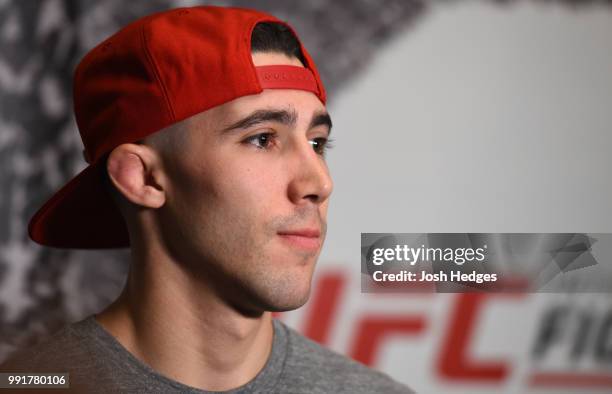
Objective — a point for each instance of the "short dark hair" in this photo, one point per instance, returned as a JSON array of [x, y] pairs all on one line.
[[276, 37]]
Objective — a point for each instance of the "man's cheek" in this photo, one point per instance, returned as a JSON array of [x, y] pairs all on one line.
[[258, 188]]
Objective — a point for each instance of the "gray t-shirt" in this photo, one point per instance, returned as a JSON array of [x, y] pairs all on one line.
[[98, 363]]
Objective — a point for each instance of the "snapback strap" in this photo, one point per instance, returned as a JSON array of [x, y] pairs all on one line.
[[287, 77]]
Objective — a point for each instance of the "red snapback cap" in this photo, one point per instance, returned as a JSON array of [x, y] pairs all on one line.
[[155, 72]]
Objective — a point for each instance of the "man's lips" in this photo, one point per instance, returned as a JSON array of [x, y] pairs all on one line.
[[308, 239]]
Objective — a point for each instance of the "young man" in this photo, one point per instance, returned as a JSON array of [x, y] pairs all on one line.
[[205, 129]]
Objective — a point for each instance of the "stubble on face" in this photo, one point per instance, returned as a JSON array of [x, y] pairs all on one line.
[[264, 274]]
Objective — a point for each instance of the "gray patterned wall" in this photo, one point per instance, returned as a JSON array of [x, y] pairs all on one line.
[[40, 43]]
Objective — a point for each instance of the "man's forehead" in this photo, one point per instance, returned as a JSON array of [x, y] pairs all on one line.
[[300, 105]]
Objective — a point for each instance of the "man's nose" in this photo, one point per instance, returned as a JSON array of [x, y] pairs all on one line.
[[310, 179]]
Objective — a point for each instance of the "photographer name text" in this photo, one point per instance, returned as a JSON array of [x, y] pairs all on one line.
[[440, 276]]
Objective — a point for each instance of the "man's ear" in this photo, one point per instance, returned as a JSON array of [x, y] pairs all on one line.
[[132, 169]]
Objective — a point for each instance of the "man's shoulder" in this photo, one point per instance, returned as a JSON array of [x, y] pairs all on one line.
[[66, 349], [54, 353], [73, 350], [328, 371]]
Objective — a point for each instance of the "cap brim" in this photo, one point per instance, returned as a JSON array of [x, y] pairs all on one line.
[[80, 215]]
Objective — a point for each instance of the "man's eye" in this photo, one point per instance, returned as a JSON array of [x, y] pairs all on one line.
[[261, 141], [320, 145]]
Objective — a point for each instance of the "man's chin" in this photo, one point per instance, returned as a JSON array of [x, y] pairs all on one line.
[[287, 306], [283, 301]]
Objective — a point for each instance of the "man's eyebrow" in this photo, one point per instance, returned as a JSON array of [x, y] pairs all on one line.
[[321, 118], [286, 117]]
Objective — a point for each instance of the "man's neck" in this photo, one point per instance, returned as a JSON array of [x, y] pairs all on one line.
[[181, 329]]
